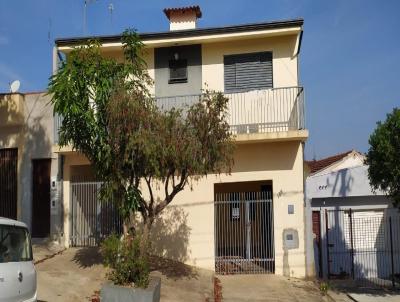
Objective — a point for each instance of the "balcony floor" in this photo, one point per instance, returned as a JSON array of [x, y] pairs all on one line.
[[291, 135]]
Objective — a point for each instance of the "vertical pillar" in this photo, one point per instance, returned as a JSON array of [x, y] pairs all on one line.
[[352, 243], [55, 59], [391, 250]]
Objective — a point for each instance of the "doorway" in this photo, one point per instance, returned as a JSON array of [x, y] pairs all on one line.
[[244, 242], [41, 198]]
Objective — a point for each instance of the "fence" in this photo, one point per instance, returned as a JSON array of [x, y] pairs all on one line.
[[91, 219], [363, 246], [256, 111], [244, 237]]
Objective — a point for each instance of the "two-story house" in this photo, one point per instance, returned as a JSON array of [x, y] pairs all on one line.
[[252, 220]]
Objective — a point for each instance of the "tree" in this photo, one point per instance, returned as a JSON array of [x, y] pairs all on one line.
[[165, 149], [135, 147], [383, 157]]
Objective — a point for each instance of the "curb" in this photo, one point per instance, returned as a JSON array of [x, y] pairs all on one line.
[[49, 257], [338, 297]]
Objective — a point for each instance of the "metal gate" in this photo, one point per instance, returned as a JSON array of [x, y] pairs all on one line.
[[363, 246], [8, 182], [244, 236], [91, 219]]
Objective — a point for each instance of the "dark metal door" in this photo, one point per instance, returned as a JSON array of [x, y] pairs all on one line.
[[8, 182], [41, 198], [316, 227]]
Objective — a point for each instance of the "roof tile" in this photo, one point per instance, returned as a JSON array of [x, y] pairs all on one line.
[[318, 165]]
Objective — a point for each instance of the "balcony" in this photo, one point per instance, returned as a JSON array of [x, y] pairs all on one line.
[[253, 115]]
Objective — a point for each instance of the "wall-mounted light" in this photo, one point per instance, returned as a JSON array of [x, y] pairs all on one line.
[[176, 56]]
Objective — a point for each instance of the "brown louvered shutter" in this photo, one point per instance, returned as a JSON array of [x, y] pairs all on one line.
[[244, 72]]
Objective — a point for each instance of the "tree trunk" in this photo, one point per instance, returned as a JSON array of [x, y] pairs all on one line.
[[144, 240], [125, 228]]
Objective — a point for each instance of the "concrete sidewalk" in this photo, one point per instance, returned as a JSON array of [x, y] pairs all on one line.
[[350, 291], [364, 295], [69, 277], [259, 288], [44, 248]]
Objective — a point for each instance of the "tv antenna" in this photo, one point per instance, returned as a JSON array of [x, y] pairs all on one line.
[[14, 86], [49, 32], [111, 10], [85, 4]]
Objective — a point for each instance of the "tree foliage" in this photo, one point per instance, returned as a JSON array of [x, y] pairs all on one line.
[[166, 148], [383, 156]]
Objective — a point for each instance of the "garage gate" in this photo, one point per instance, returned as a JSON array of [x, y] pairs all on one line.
[[8, 183], [362, 245], [244, 234], [91, 219]]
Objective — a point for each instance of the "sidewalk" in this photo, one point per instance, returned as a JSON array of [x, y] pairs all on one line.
[[364, 295], [44, 249], [259, 288]]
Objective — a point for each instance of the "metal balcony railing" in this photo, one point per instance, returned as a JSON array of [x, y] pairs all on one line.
[[255, 111]]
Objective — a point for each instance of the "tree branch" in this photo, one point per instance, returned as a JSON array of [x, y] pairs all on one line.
[[148, 182], [175, 190]]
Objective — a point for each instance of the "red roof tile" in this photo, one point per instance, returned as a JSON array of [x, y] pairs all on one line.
[[318, 165], [195, 8]]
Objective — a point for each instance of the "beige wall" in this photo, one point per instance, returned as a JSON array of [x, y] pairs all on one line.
[[280, 162], [283, 49], [186, 230], [26, 123], [148, 56]]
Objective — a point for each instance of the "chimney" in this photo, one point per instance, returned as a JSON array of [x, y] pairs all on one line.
[[181, 18]]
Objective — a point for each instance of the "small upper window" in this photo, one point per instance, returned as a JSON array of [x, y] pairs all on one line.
[[177, 71]]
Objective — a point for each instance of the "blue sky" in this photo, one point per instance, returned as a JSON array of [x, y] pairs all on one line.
[[350, 59]]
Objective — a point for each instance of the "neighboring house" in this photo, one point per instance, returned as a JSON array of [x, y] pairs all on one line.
[[253, 219], [28, 168], [352, 231], [333, 163]]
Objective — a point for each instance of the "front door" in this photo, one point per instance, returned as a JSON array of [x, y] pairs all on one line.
[[41, 198], [316, 227]]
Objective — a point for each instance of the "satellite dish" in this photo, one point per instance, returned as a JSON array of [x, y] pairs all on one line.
[[15, 86]]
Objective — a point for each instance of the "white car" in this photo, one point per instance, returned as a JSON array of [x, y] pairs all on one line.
[[17, 272]]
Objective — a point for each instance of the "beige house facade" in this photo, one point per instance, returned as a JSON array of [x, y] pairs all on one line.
[[251, 220], [28, 167]]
